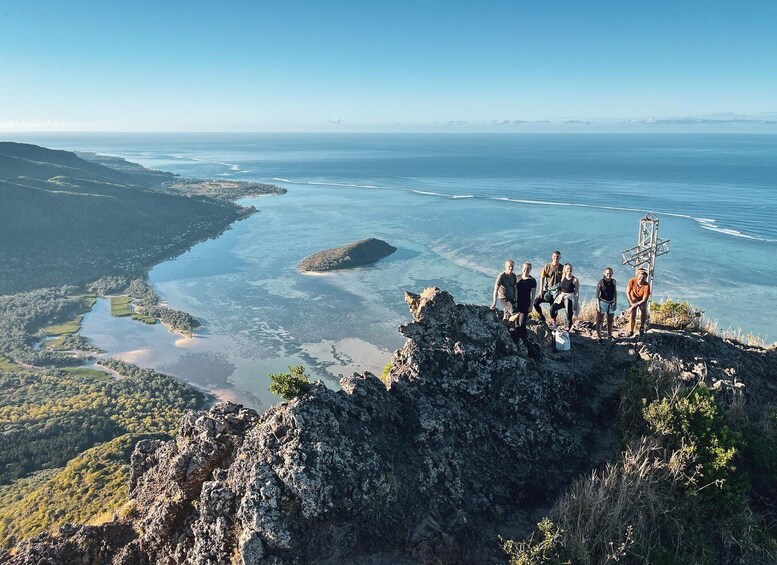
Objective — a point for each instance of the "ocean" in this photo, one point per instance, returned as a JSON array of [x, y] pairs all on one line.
[[456, 206]]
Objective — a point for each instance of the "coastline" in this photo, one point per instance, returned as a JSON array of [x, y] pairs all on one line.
[[222, 193]]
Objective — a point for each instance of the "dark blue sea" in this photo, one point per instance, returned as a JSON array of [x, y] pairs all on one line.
[[456, 206]]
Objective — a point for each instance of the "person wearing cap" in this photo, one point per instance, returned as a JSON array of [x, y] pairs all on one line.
[[638, 293], [505, 291]]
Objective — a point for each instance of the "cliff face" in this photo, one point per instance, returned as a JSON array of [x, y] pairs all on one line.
[[470, 430]]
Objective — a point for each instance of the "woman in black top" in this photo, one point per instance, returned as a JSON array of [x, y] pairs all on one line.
[[606, 303], [568, 299], [526, 288]]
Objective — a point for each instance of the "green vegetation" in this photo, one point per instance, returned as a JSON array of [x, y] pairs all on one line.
[[91, 486], [696, 483], [144, 318], [85, 372], [95, 221], [8, 365], [120, 306], [70, 342], [145, 297], [56, 344], [48, 418], [108, 285], [69, 327], [292, 384], [23, 315], [385, 375], [676, 315]]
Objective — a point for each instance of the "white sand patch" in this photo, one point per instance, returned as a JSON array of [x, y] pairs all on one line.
[[347, 356], [136, 356]]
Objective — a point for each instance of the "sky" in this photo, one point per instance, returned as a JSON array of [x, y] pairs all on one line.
[[384, 65]]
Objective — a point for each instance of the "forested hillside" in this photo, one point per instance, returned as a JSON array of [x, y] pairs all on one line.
[[64, 220], [48, 418]]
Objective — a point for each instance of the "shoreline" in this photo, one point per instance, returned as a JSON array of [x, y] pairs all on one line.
[[225, 193]]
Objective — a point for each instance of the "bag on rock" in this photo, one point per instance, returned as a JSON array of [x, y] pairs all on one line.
[[562, 341]]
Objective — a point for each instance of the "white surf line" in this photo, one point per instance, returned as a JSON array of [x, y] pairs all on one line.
[[705, 223], [319, 183], [232, 166]]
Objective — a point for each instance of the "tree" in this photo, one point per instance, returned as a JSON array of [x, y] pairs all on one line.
[[292, 384]]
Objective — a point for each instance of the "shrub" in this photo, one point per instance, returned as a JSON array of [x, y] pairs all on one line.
[[385, 376], [292, 384], [545, 549], [676, 315], [691, 423]]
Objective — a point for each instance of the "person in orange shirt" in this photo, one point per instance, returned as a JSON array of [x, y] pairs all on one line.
[[638, 293]]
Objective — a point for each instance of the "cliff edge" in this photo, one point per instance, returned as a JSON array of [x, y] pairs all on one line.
[[467, 431]]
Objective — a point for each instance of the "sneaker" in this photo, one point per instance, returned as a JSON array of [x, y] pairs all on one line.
[[631, 335], [600, 341], [641, 333]]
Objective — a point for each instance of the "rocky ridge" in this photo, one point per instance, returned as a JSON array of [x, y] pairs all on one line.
[[470, 430]]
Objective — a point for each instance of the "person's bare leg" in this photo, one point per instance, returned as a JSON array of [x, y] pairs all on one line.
[[599, 316], [632, 321], [610, 320]]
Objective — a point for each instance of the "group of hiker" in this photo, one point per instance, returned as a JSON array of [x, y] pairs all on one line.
[[517, 295]]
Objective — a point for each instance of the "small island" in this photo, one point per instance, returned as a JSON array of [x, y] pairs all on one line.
[[348, 256]]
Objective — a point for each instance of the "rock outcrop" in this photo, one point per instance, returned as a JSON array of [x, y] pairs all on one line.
[[467, 429], [348, 256]]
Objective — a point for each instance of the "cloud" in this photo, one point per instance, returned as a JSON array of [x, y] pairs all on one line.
[[46, 125]]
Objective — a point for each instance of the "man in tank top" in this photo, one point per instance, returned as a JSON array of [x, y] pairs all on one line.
[[549, 277], [505, 291], [606, 303]]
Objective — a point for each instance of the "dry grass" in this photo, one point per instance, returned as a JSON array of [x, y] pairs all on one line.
[[587, 311], [749, 338], [618, 514], [619, 509]]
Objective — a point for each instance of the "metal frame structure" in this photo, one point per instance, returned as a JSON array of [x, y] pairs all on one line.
[[649, 246]]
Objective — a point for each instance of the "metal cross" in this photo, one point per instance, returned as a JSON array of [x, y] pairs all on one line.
[[649, 246]]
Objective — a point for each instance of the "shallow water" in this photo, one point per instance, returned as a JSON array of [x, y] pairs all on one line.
[[455, 207]]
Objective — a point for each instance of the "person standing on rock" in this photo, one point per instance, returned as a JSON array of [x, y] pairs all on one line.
[[638, 293], [505, 291], [550, 277], [568, 298], [526, 288], [606, 303]]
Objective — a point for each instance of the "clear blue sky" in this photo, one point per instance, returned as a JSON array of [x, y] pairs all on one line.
[[292, 65]]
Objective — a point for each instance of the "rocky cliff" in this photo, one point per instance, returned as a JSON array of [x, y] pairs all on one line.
[[467, 435]]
